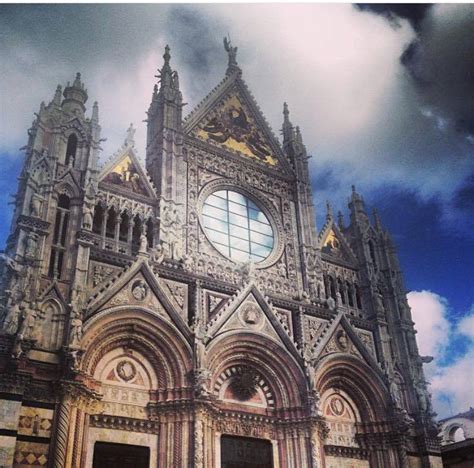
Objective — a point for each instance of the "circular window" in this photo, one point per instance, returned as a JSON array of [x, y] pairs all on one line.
[[237, 227]]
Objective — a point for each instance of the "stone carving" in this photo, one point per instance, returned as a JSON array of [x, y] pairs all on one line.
[[337, 406], [139, 290], [158, 254], [87, 216], [101, 272], [170, 237], [251, 315], [12, 318], [126, 370], [245, 383], [31, 244], [75, 334], [28, 323], [36, 203], [342, 340]]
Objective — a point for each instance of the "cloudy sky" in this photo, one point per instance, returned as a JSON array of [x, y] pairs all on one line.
[[384, 95]]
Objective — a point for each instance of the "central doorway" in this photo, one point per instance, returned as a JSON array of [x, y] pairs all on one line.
[[243, 452], [109, 455]]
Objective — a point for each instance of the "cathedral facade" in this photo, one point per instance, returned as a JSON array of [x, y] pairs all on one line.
[[188, 313]]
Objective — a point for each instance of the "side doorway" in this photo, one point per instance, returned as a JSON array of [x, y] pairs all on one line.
[[110, 455], [243, 452]]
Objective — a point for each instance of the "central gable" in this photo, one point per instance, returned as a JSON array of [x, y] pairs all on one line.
[[230, 119], [232, 125]]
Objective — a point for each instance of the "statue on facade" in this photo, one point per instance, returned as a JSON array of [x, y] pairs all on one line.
[[231, 51], [75, 334], [35, 205], [31, 244], [169, 232], [143, 243], [12, 317], [87, 216], [27, 325]]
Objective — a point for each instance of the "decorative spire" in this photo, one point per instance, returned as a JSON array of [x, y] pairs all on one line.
[[329, 213], [232, 54], [130, 139], [340, 220], [75, 95], [165, 74], [57, 96], [287, 128], [378, 223], [95, 112]]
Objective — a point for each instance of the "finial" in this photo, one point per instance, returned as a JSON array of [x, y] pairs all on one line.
[[167, 55], [232, 53], [95, 112], [130, 141], [77, 82], [329, 213], [57, 96], [353, 189], [340, 220], [378, 224]]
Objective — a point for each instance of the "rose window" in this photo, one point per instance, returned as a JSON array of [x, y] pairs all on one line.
[[237, 227]]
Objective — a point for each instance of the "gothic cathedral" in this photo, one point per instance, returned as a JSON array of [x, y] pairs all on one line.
[[188, 313]]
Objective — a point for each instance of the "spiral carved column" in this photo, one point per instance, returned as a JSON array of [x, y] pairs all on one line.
[[62, 432]]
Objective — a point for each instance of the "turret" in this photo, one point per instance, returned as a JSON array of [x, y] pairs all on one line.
[[164, 134], [75, 96]]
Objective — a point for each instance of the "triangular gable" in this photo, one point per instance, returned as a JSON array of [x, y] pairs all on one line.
[[229, 118], [52, 291], [177, 293], [250, 312], [341, 337], [139, 287], [334, 244], [124, 171], [214, 302], [68, 178]]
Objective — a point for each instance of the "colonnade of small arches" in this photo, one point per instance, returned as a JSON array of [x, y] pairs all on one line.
[[120, 231], [342, 291]]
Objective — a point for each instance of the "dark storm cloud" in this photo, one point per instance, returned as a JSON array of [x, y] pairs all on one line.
[[414, 13], [440, 60]]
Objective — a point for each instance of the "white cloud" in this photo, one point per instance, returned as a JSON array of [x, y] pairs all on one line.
[[452, 385], [429, 314]]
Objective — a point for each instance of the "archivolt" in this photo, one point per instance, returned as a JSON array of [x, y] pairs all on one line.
[[361, 383], [143, 330], [277, 367]]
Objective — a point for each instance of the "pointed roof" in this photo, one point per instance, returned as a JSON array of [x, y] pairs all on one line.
[[267, 321], [121, 292], [229, 118], [333, 244], [125, 172], [341, 337]]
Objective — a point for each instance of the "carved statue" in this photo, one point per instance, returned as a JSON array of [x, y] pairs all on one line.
[[331, 303], [200, 346], [169, 234], [35, 205], [143, 243], [28, 323], [75, 335], [248, 271], [12, 318], [88, 216], [158, 254], [342, 340], [31, 245], [231, 51], [396, 395]]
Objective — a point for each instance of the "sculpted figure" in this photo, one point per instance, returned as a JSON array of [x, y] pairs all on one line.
[[12, 318], [88, 216], [27, 326], [35, 205], [169, 232], [75, 335], [143, 243], [31, 245]]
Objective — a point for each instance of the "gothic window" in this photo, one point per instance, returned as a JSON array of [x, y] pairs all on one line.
[[136, 233], [372, 253], [350, 293], [71, 150], [149, 232], [98, 219], [124, 226], [237, 227], [58, 246], [111, 222], [358, 299], [332, 288]]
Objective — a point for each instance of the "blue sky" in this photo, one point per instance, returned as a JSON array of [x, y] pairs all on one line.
[[384, 96]]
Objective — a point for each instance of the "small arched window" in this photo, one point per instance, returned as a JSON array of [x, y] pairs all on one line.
[[58, 247], [71, 150]]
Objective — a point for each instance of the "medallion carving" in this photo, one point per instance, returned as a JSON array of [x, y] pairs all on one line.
[[126, 370]]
